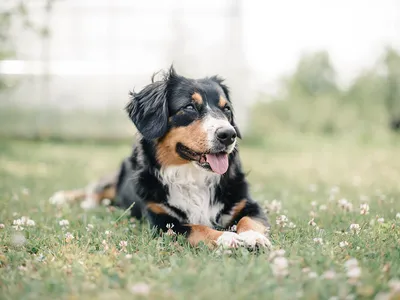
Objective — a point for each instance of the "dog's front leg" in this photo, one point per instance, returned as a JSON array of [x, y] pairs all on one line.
[[164, 219], [251, 223]]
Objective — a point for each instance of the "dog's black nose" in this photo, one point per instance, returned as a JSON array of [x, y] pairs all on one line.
[[226, 136]]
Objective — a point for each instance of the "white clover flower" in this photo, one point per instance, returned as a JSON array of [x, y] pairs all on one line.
[[323, 207], [291, 225], [280, 266], [353, 270], [105, 245], [318, 241], [64, 223], [381, 220], [140, 289], [329, 275], [343, 244], [364, 209], [398, 215], [345, 205], [30, 223], [2, 226], [107, 232], [282, 220], [89, 227], [69, 237], [312, 223], [355, 228], [275, 206], [312, 275]]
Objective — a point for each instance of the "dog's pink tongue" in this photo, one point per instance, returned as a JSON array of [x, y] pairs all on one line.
[[218, 162]]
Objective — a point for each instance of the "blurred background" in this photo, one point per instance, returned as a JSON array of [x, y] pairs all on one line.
[[315, 67]]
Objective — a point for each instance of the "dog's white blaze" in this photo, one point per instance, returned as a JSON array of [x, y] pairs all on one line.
[[192, 190], [210, 125]]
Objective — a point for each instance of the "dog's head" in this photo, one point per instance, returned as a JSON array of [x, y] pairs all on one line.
[[190, 121]]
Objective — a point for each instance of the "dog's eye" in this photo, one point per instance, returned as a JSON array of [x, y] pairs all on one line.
[[190, 107]]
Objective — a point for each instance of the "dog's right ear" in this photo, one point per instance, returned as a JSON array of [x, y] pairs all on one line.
[[148, 110]]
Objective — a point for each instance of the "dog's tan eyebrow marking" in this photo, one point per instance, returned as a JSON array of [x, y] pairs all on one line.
[[222, 102], [197, 98]]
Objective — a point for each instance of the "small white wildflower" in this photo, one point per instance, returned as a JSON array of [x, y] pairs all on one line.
[[334, 190], [364, 209], [381, 220], [343, 244], [318, 241], [140, 289], [276, 253], [280, 266], [394, 285], [313, 188], [105, 245], [123, 244], [69, 237], [107, 232], [291, 225], [355, 228], [312, 223], [329, 275], [312, 275], [17, 225], [345, 205], [275, 206], [398, 215], [64, 223], [281, 220], [30, 223], [353, 270], [89, 227], [323, 207], [18, 240], [2, 226], [314, 204]]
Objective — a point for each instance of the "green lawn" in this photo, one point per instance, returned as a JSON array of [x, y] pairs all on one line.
[[308, 177]]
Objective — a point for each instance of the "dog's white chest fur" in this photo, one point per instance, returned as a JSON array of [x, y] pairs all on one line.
[[192, 190]]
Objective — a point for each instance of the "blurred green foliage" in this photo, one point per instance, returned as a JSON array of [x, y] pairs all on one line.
[[311, 101]]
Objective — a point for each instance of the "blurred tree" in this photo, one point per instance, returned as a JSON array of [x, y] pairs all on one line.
[[14, 13], [314, 76], [391, 63]]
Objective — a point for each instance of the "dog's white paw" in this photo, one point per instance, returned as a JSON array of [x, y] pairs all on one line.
[[58, 198], [229, 240], [89, 203], [252, 238]]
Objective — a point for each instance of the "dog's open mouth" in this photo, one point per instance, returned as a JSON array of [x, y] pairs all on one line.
[[217, 162]]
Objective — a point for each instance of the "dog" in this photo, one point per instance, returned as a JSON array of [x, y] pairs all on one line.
[[184, 173]]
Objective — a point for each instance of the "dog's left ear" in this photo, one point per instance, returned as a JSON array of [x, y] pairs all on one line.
[[148, 110], [225, 88]]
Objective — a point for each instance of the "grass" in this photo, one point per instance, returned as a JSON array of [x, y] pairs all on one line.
[[306, 176]]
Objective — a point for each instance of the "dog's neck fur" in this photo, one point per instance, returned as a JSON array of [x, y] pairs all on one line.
[[192, 190]]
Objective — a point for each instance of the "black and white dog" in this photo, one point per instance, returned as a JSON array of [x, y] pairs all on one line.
[[184, 173]]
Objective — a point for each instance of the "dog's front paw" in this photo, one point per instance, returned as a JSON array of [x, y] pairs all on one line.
[[252, 239], [229, 240]]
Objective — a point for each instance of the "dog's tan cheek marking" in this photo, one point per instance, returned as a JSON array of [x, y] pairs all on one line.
[[247, 223], [201, 233], [222, 102], [192, 136], [156, 208], [238, 208], [197, 98]]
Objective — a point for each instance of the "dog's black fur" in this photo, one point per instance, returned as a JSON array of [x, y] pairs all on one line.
[[161, 110]]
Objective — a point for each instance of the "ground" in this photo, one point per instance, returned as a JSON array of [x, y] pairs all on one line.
[[312, 187]]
